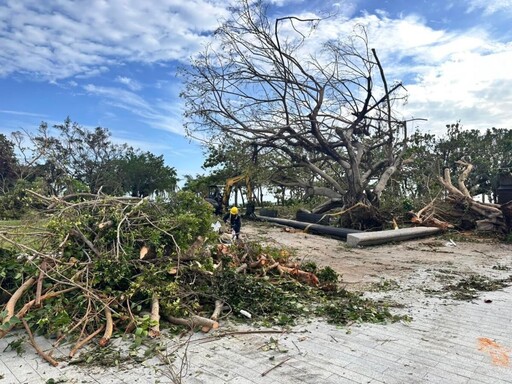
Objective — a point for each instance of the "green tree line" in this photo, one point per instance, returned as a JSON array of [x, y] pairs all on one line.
[[67, 159]]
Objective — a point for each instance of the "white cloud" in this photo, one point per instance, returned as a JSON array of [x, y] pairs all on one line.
[[22, 113], [449, 75], [56, 39], [490, 7], [162, 114], [134, 85]]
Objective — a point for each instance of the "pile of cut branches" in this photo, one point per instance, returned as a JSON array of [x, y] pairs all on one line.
[[100, 265]]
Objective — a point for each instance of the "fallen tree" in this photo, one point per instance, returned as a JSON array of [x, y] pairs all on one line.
[[327, 122], [486, 217]]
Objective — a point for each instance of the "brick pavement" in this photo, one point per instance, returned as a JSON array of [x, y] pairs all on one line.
[[446, 342]]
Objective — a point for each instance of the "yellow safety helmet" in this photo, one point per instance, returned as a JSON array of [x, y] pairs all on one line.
[[234, 211]]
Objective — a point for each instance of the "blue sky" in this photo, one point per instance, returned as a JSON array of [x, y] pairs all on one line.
[[112, 63]]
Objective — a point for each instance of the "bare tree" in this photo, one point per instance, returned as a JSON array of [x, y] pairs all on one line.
[[324, 108]]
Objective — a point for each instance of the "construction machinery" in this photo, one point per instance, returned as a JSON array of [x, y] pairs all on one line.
[[218, 195]]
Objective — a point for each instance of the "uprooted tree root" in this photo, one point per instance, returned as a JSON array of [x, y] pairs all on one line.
[[101, 266], [460, 210]]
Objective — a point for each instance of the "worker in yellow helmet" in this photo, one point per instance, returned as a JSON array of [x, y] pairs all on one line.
[[235, 221]]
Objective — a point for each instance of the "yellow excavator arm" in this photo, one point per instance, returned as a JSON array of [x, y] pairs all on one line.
[[220, 200], [229, 186]]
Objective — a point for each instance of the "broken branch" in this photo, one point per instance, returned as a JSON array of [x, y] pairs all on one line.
[[275, 366], [80, 344], [194, 321], [109, 327], [304, 276], [39, 351], [11, 304]]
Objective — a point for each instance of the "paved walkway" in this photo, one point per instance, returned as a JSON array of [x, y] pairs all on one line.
[[447, 342]]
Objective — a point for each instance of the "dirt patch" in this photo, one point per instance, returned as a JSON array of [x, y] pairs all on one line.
[[429, 263]]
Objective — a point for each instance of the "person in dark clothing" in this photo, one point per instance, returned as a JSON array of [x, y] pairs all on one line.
[[234, 220], [217, 196]]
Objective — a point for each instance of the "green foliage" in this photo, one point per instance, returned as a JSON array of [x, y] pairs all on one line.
[[192, 216], [344, 307], [72, 151], [96, 244], [13, 203], [328, 275], [52, 319], [268, 302], [103, 357], [284, 302], [112, 276], [143, 325], [309, 266], [17, 346], [13, 272], [4, 326], [200, 183], [144, 173], [8, 164], [70, 159], [469, 288]]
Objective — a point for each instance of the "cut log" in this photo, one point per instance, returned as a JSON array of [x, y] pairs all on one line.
[[144, 252], [194, 321], [381, 237], [307, 277], [154, 331], [219, 304], [316, 229]]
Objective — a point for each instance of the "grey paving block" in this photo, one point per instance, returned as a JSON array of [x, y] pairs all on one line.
[[483, 378], [335, 379], [440, 345], [6, 376], [446, 378]]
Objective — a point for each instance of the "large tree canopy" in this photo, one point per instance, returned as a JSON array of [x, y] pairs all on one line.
[[327, 109], [72, 152], [145, 173]]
